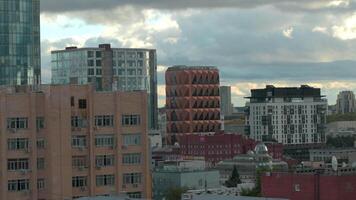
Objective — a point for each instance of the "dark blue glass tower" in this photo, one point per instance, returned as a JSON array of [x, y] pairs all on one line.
[[20, 42]]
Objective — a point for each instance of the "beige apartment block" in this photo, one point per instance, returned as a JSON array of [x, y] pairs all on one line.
[[64, 142]]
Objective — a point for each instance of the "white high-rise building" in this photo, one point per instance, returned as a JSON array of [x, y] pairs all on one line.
[[287, 115]]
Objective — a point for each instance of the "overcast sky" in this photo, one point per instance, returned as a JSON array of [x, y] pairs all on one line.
[[253, 42]]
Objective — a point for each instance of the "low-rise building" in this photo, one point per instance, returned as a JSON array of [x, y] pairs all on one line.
[[182, 174], [222, 146], [309, 186], [248, 164], [343, 155], [223, 197], [341, 128]]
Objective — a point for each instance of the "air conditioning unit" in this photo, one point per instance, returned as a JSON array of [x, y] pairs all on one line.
[[81, 168], [23, 171], [98, 167], [135, 185], [82, 189]]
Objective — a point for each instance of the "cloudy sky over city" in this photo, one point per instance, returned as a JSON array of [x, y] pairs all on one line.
[[253, 42]]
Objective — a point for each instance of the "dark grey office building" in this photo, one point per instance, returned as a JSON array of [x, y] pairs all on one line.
[[20, 42]]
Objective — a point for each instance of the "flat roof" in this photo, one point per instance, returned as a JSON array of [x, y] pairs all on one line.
[[184, 67]]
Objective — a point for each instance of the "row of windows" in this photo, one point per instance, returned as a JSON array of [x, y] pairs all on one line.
[[106, 160], [104, 180], [22, 123], [17, 164], [76, 121], [79, 141], [24, 185]]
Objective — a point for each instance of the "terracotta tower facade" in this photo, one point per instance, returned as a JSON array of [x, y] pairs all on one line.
[[193, 101]]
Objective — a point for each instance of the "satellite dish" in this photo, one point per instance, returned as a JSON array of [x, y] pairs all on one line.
[[334, 163]]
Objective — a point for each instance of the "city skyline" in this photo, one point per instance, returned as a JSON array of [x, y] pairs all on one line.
[[284, 43]]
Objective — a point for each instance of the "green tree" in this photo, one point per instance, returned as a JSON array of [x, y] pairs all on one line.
[[234, 178], [175, 193]]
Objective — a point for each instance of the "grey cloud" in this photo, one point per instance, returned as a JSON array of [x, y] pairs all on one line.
[[79, 5]]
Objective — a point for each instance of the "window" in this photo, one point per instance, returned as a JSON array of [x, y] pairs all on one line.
[[131, 120], [82, 103], [78, 122], [98, 54], [132, 178], [104, 160], [104, 140], [98, 71], [40, 183], [17, 123], [121, 72], [18, 185], [17, 164], [79, 141], [17, 144], [104, 180], [98, 63], [40, 163], [79, 161], [131, 72], [72, 101], [131, 159], [40, 143], [40, 122], [91, 72], [91, 63], [104, 120], [140, 54], [297, 188], [79, 181], [90, 54], [132, 139], [134, 195]]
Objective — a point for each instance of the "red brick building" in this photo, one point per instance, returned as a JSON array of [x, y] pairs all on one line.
[[222, 146], [193, 101], [309, 186]]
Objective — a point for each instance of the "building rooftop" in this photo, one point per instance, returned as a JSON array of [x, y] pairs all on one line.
[[101, 46], [285, 92], [121, 197], [184, 67], [224, 197]]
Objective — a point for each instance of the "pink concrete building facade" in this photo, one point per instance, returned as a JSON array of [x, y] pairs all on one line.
[[64, 142]]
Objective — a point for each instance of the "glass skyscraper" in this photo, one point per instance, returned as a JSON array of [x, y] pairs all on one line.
[[20, 42], [122, 69]]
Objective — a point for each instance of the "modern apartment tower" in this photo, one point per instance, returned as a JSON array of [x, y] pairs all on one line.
[[20, 42], [65, 142], [289, 115], [346, 102], [122, 69], [193, 101], [225, 101]]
